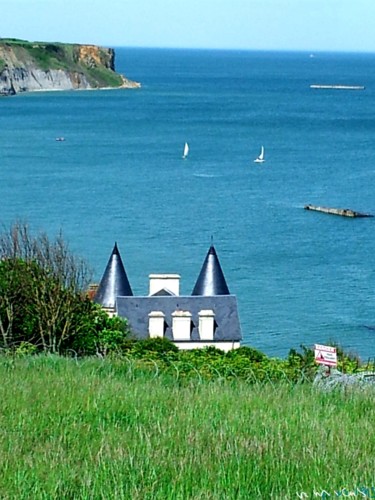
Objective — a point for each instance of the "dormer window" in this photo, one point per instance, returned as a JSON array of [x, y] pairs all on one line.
[[206, 324], [181, 325], [156, 324]]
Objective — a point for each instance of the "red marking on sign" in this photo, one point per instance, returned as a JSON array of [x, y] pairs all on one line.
[[325, 355]]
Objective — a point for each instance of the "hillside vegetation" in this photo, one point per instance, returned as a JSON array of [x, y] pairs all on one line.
[[91, 429], [90, 412], [87, 66]]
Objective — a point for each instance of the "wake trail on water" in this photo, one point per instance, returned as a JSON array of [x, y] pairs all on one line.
[[207, 176]]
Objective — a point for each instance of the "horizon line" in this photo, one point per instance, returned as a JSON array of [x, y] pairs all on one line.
[[222, 49], [311, 51]]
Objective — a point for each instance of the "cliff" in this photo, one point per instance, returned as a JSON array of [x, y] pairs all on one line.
[[31, 66]]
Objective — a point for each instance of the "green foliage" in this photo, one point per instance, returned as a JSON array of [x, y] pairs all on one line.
[[17, 311], [15, 41], [35, 307], [160, 349], [55, 56], [25, 349], [347, 362], [211, 363], [43, 302], [304, 360], [100, 334], [94, 428], [103, 77], [249, 353]]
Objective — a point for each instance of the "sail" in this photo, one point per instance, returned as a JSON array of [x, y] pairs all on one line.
[[186, 150], [260, 158]]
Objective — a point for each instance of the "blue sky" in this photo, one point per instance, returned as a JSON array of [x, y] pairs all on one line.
[[311, 25]]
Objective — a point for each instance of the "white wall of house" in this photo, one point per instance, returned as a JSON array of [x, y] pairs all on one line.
[[224, 346]]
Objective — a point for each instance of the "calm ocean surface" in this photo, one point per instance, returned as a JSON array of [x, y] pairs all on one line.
[[300, 277]]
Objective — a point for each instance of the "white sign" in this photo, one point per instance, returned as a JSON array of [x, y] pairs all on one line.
[[325, 355]]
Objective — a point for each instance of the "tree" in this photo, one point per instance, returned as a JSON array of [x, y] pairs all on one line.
[[42, 289], [100, 334], [16, 323]]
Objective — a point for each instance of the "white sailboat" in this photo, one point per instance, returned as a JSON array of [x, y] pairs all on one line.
[[260, 158], [186, 150]]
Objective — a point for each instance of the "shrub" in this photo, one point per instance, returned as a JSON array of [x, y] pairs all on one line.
[[247, 352], [100, 334], [154, 348], [41, 290]]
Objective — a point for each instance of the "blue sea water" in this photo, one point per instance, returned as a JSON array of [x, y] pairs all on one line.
[[300, 277]]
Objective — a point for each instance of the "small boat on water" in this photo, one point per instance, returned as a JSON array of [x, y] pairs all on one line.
[[260, 158], [186, 151], [60, 139]]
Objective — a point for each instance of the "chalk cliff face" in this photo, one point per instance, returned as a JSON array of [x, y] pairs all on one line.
[[28, 66]]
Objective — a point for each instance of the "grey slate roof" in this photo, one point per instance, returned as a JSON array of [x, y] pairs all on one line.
[[137, 309], [114, 281], [211, 279]]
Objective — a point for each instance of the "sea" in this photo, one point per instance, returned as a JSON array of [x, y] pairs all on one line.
[[300, 277]]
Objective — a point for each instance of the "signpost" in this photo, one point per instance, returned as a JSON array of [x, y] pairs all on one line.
[[325, 355]]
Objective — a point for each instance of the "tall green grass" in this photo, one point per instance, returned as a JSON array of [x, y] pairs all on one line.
[[94, 429]]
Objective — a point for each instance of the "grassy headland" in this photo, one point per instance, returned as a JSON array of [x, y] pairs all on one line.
[[95, 428], [96, 64]]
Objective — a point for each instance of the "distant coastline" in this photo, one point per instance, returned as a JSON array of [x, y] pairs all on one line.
[[41, 66]]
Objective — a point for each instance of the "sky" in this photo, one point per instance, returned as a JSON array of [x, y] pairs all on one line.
[[306, 25]]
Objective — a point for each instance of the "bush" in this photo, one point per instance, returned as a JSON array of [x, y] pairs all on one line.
[[41, 289], [100, 333], [247, 352], [43, 301], [154, 348]]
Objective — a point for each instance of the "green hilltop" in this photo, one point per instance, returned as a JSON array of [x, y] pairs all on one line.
[[88, 66]]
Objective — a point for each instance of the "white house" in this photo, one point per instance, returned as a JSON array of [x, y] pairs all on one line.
[[207, 317]]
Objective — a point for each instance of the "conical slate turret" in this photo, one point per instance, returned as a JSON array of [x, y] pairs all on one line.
[[114, 282], [211, 279]]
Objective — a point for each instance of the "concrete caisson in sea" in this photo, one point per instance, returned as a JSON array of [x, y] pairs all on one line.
[[337, 87], [344, 212]]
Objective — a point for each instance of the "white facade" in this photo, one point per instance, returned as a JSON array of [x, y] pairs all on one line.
[[224, 346], [169, 282]]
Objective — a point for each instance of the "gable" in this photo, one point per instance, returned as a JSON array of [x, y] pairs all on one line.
[[163, 292]]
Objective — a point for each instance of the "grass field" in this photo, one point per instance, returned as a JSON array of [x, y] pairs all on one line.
[[95, 429]]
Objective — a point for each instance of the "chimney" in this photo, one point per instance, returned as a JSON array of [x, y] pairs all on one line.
[[156, 324], [181, 325], [168, 282], [206, 324]]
